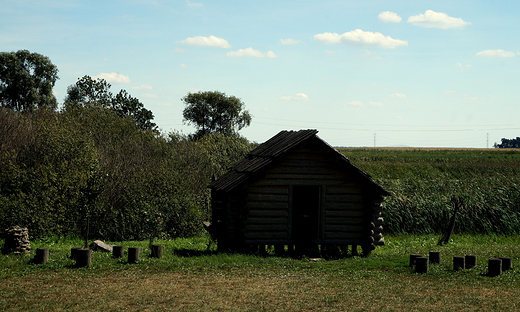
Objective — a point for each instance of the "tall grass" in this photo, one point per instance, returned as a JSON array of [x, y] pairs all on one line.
[[422, 182]]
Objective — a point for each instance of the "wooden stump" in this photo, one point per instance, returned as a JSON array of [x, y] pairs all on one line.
[[494, 267], [506, 263], [157, 251], [435, 257], [83, 257], [73, 252], [421, 265], [118, 252], [133, 255], [262, 250], [471, 261], [459, 263], [354, 250], [413, 257], [42, 256]]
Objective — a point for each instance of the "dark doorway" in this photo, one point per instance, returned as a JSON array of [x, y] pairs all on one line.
[[305, 213]]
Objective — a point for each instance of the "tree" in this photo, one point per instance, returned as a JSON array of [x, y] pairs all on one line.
[[215, 112], [26, 81], [87, 92]]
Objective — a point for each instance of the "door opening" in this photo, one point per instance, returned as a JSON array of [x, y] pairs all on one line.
[[305, 212]]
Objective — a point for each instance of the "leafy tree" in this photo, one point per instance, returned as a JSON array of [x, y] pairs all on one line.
[[26, 81], [509, 143], [215, 112], [87, 92]]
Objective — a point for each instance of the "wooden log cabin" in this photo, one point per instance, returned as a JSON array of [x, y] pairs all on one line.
[[296, 192]]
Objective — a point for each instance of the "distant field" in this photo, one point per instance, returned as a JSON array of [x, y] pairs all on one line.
[[423, 180]]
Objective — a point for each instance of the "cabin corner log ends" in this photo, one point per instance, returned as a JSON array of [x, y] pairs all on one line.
[[295, 190]]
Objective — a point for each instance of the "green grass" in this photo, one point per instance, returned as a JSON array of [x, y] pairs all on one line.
[[207, 280]]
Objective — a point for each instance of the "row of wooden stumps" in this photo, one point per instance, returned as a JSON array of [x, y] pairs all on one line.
[[495, 266], [83, 256]]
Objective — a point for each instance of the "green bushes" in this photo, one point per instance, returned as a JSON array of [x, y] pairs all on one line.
[[423, 181], [88, 169]]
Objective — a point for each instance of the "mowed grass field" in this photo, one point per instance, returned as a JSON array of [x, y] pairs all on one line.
[[190, 277], [193, 277]]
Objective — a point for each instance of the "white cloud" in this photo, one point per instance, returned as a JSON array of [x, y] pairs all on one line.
[[496, 53], [180, 50], [289, 41], [450, 92], [142, 87], [431, 19], [194, 4], [399, 95], [210, 41], [113, 77], [375, 103], [150, 96], [460, 65], [360, 38], [297, 97], [250, 52], [389, 17], [184, 66], [355, 103]]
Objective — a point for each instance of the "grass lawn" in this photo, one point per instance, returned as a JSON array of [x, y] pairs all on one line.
[[190, 278]]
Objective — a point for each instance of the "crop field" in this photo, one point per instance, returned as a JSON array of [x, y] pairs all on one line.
[[423, 181]]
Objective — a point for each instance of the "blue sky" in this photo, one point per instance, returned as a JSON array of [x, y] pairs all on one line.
[[389, 73]]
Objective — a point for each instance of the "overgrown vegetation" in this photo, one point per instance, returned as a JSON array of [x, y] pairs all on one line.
[[423, 181], [89, 168]]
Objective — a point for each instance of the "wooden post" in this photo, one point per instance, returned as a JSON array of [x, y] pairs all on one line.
[[42, 256], [459, 263], [157, 251], [354, 250], [435, 257], [494, 267], [421, 265], [118, 252], [133, 255], [413, 257], [506, 263], [73, 252], [83, 257], [471, 261]]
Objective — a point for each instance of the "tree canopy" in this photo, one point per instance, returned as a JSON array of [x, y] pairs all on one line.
[[215, 112], [26, 81], [88, 92]]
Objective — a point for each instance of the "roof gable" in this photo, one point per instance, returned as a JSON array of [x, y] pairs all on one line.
[[272, 151]]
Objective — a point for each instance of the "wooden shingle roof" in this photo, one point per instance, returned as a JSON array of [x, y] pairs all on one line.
[[271, 152]]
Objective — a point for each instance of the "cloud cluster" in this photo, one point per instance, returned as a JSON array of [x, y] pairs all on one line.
[[211, 41], [389, 17], [297, 97], [431, 19], [360, 38], [398, 95], [496, 53], [142, 87], [113, 77], [250, 52]]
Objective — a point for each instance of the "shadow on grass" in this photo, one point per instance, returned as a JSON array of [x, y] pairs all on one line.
[[193, 253]]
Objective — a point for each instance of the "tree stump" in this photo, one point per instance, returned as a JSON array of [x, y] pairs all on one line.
[[435, 257], [83, 257], [471, 261], [157, 251], [74, 252], [42, 256], [118, 252], [279, 250], [506, 263], [494, 267], [133, 255], [421, 265], [459, 263], [354, 250], [413, 257]]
